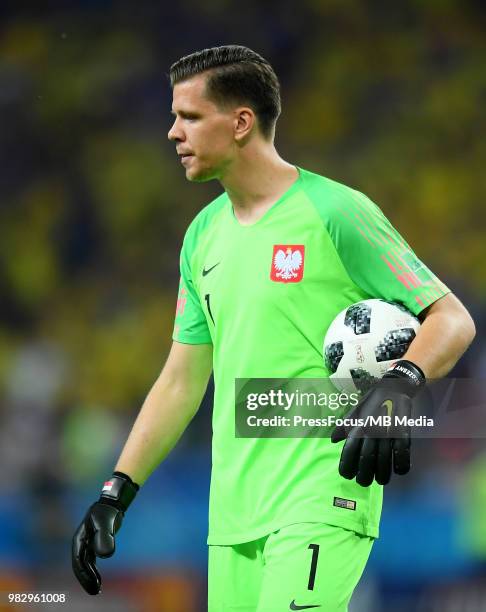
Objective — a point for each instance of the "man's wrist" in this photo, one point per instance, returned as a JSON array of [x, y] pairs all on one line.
[[408, 371]]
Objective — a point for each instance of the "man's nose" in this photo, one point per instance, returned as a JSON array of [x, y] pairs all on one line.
[[175, 132]]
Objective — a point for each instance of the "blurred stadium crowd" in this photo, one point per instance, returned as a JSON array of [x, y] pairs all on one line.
[[388, 98]]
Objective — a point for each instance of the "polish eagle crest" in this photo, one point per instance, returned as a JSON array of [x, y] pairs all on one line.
[[287, 263]]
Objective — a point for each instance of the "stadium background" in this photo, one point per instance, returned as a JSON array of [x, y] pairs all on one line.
[[388, 98]]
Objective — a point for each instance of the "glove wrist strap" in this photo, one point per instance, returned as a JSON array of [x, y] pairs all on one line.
[[409, 371], [119, 491]]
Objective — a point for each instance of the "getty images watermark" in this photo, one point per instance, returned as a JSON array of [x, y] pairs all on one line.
[[308, 407]]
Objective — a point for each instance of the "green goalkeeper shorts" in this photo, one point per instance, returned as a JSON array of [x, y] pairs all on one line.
[[299, 567]]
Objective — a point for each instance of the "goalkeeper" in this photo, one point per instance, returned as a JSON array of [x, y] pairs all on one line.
[[265, 268]]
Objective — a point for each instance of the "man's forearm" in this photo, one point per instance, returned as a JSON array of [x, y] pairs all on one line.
[[164, 416], [443, 337]]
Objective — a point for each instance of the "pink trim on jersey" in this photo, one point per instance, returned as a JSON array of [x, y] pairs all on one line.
[[358, 227], [389, 264], [398, 264], [371, 229]]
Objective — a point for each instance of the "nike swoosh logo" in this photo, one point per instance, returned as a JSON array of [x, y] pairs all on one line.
[[389, 407], [204, 272], [294, 606]]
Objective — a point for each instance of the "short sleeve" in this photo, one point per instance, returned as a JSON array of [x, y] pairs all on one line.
[[190, 326], [377, 258]]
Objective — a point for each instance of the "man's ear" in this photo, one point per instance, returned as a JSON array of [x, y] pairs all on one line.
[[243, 122]]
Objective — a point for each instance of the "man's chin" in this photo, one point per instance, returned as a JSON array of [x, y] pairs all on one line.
[[194, 176]]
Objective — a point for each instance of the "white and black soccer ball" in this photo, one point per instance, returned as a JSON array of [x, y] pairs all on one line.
[[364, 340]]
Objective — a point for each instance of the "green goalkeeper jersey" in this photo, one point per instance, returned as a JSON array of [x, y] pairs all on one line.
[[268, 320]]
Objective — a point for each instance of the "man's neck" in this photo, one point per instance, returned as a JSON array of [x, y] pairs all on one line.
[[256, 180]]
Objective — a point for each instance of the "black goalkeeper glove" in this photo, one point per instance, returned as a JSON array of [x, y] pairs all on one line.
[[95, 536], [371, 449]]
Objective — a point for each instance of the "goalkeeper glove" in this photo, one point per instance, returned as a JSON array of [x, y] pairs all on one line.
[[95, 535], [369, 451]]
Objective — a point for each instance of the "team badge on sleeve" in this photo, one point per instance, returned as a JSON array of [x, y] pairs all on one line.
[[287, 263]]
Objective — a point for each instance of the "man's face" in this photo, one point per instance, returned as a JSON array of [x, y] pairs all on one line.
[[202, 132]]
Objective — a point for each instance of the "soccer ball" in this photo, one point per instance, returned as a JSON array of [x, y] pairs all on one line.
[[364, 340]]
